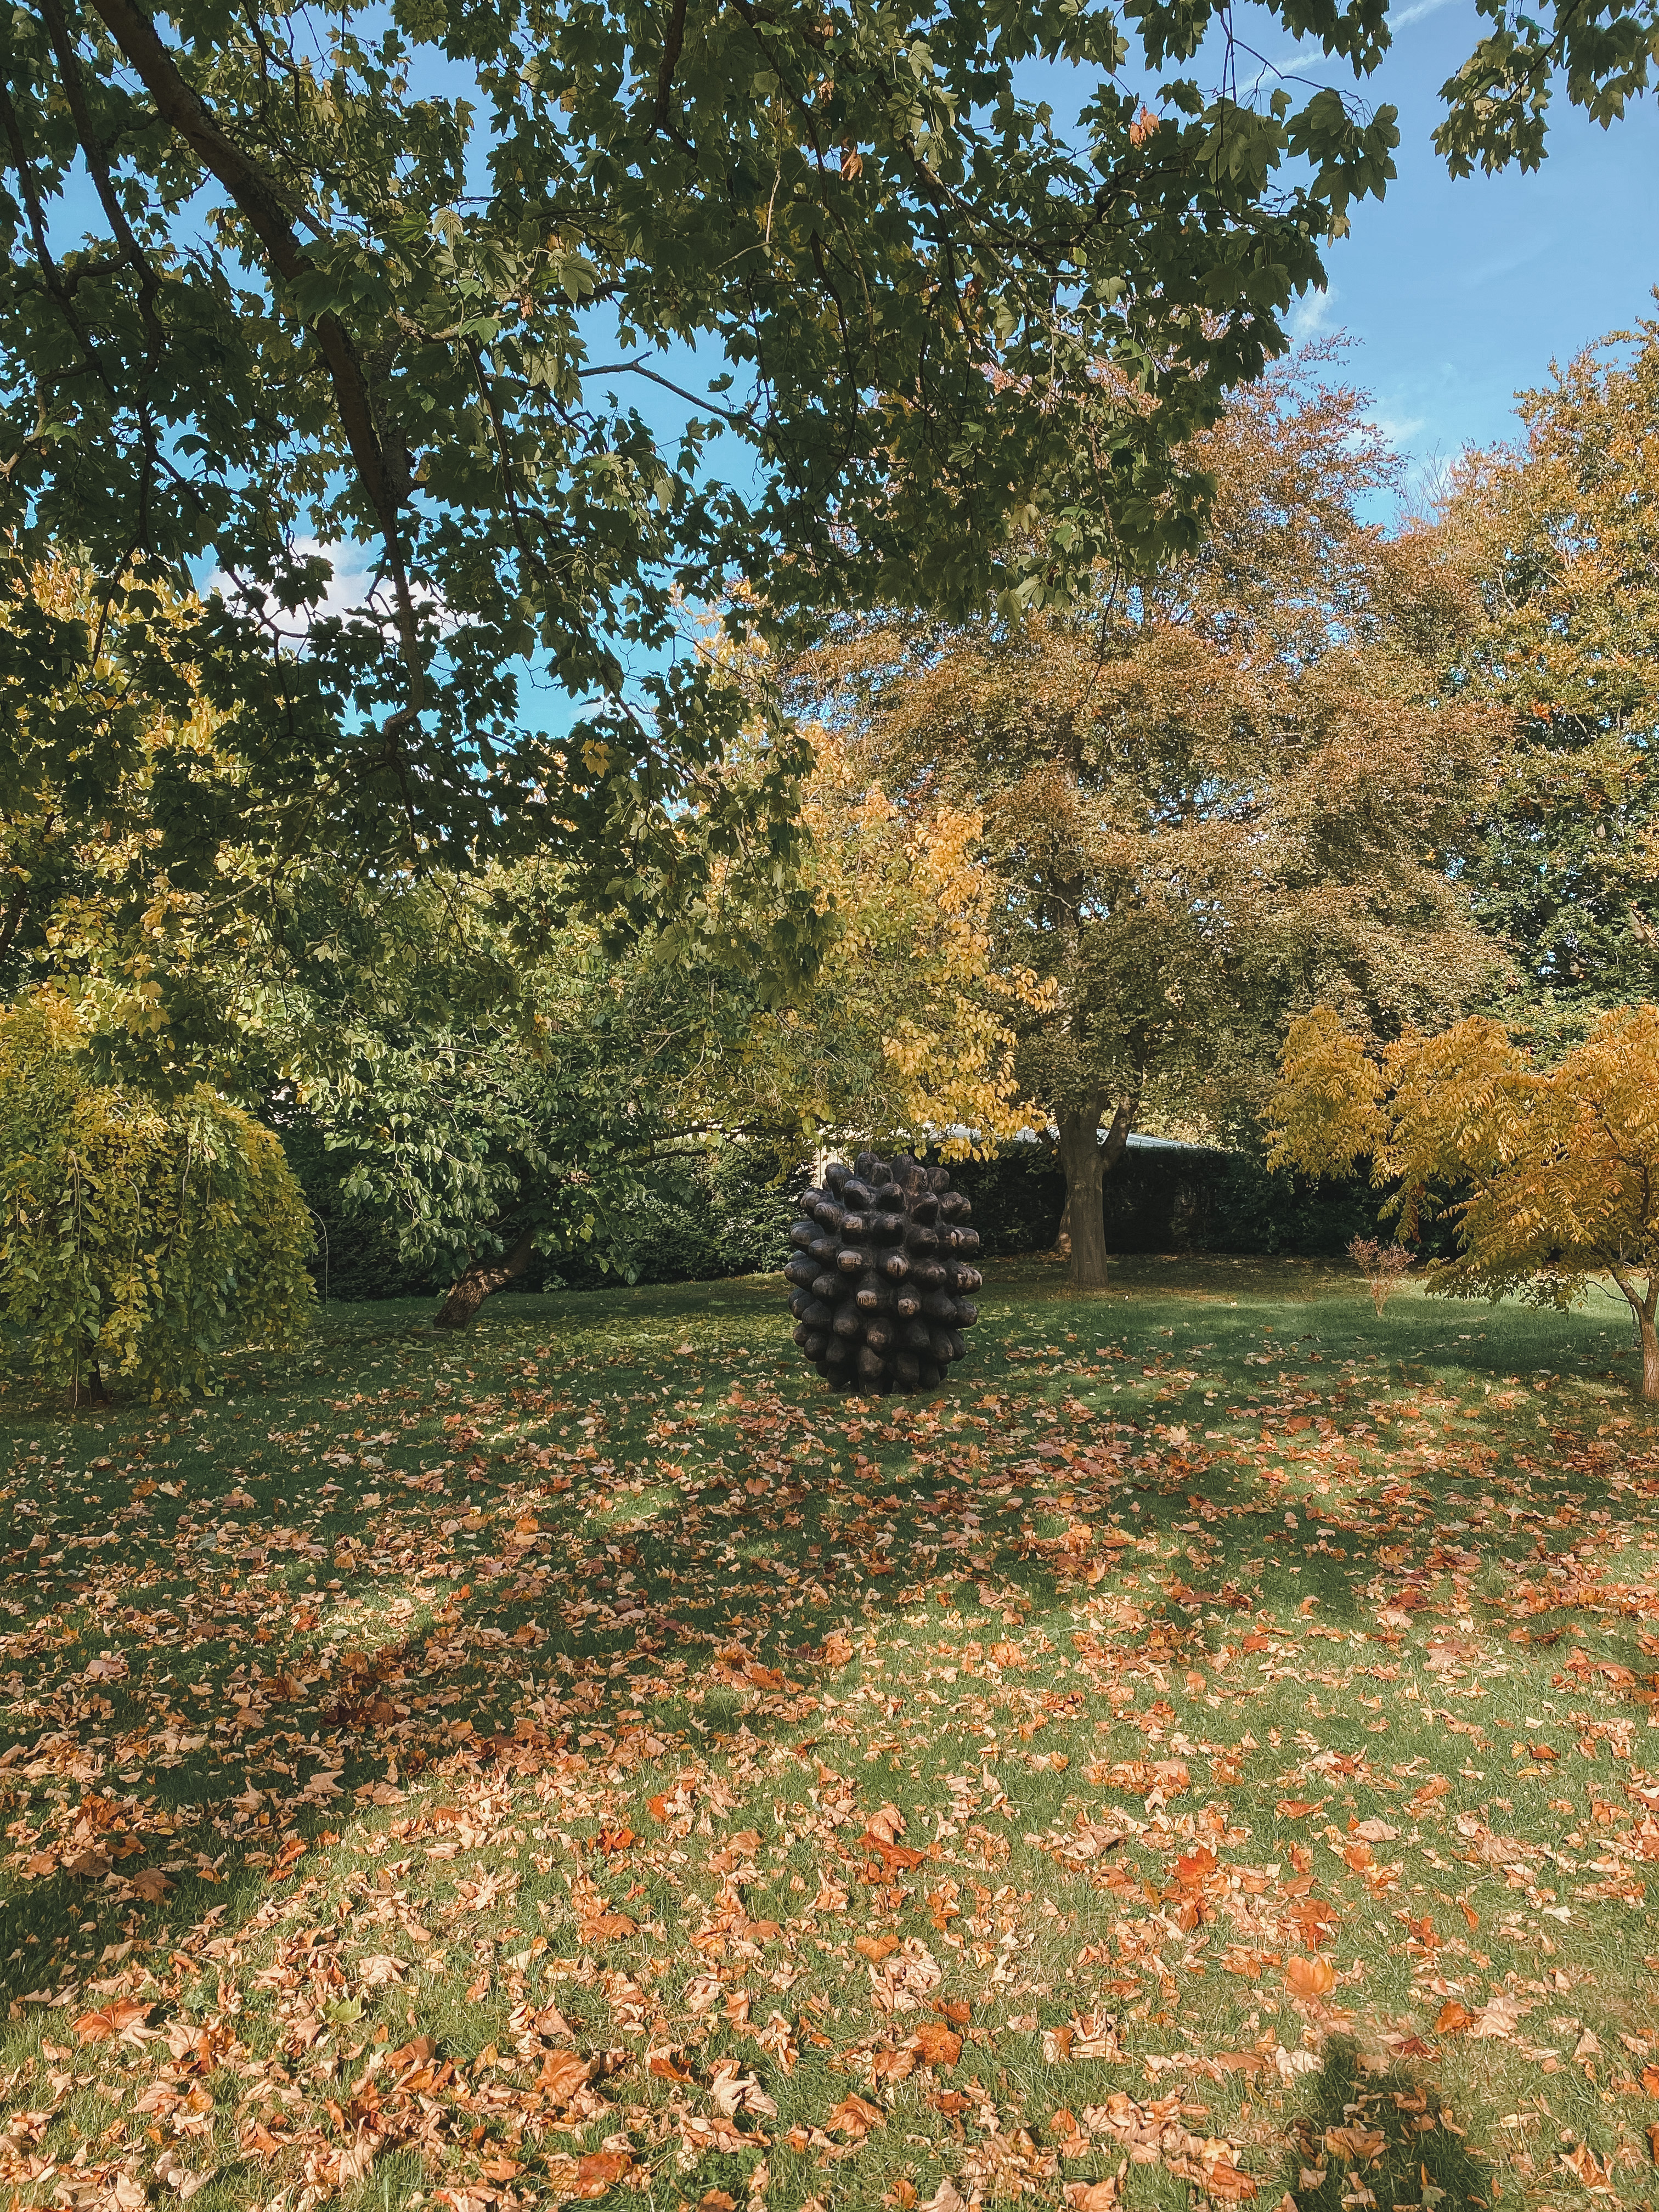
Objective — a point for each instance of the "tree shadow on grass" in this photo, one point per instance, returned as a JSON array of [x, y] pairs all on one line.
[[1367, 2136]]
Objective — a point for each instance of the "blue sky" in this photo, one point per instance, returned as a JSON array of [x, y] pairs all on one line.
[[1459, 293]]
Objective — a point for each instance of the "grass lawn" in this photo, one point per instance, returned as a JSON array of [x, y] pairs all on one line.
[[1212, 1749]]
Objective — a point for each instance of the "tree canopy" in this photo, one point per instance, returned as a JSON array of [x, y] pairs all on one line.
[[287, 280], [1210, 801], [1557, 535]]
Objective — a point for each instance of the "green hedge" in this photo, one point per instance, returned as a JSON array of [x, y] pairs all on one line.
[[726, 1213], [1168, 1202], [729, 1214]]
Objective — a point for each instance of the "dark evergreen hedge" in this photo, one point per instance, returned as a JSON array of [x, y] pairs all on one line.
[[729, 1214]]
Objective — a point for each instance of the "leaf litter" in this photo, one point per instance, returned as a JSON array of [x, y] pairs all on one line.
[[521, 1777]]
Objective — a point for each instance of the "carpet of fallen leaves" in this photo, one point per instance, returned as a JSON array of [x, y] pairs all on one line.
[[1211, 1753]]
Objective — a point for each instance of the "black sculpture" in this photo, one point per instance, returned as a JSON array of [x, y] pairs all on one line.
[[878, 1272]]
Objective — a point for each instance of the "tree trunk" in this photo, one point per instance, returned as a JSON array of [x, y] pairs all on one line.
[[470, 1289], [1646, 1310], [1087, 1163]]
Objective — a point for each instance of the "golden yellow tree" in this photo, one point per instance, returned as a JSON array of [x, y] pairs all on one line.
[[906, 1035], [1557, 1168]]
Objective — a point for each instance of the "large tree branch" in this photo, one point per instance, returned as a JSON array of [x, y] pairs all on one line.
[[259, 199]]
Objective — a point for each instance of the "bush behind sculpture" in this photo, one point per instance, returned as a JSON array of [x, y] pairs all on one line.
[[137, 1235]]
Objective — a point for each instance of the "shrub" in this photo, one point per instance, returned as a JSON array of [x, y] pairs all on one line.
[[1383, 1265], [137, 1235]]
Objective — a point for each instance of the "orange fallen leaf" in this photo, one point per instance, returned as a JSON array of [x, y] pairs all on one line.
[[121, 2019], [1295, 1808], [876, 1947], [1453, 2018], [939, 2046], [609, 1928], [1309, 1977], [1651, 2080], [855, 2116], [582, 2180], [1092, 2196], [562, 2074]]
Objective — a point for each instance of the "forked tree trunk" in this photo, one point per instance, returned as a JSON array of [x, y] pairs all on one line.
[[1087, 1162], [470, 1289]]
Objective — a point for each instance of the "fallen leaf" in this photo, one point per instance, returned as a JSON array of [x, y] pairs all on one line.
[[126, 2020], [1309, 1977], [937, 2044], [580, 2180], [855, 2116]]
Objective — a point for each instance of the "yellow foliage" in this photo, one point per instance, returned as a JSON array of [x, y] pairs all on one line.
[[1324, 1116], [904, 1036], [1555, 1170], [134, 1236]]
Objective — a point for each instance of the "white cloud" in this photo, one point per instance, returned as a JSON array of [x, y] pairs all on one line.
[[1398, 429], [1310, 317], [351, 584]]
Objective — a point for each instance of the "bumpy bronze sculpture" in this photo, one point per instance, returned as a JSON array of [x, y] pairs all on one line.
[[879, 1274]]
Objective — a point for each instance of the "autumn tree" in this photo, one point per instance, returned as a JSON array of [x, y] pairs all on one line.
[[291, 290], [492, 1077], [1552, 1171], [1557, 533], [495, 1084], [1210, 799], [138, 1235]]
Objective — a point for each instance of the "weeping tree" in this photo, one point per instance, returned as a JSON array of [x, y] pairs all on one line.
[[138, 1235]]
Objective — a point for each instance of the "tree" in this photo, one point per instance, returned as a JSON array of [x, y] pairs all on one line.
[[1558, 1166], [135, 1236], [370, 278], [498, 1085], [1557, 533], [1210, 800], [491, 1079]]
